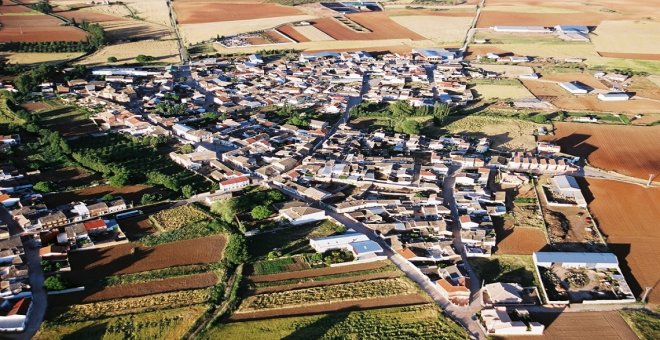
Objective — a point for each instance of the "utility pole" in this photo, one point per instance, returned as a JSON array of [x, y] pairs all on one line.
[[646, 292], [648, 184]]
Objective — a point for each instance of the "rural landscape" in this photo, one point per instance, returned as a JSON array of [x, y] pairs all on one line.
[[302, 169]]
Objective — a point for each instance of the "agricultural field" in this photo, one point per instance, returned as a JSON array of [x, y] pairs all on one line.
[[626, 215], [380, 26], [643, 322], [504, 91], [311, 33], [582, 325], [257, 279], [93, 265], [175, 218], [19, 23], [169, 323], [164, 51], [628, 150], [506, 133], [509, 71], [506, 268], [188, 282], [195, 12], [627, 36], [37, 58], [423, 321], [69, 177], [520, 240], [69, 121], [440, 29]]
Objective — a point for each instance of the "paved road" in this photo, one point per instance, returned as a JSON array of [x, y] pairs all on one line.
[[36, 279]]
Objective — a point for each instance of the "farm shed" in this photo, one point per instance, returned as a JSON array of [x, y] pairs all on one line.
[[575, 87], [342, 241], [521, 29], [576, 260], [613, 96], [568, 186], [572, 29], [436, 54]]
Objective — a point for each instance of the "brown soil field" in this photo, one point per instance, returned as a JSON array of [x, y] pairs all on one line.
[[201, 12], [407, 11], [564, 100], [80, 15], [642, 56], [627, 215], [130, 192], [69, 177], [196, 281], [392, 301], [644, 87], [582, 325], [12, 8], [476, 50], [137, 227], [291, 32], [317, 272], [276, 37], [95, 264], [630, 150], [381, 26], [310, 284], [35, 106], [37, 28], [489, 19], [584, 78], [520, 240]]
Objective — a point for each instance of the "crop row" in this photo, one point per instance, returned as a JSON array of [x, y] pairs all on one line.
[[326, 294]]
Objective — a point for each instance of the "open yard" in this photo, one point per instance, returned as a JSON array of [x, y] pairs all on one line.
[[630, 150], [423, 321], [168, 323], [92, 265], [506, 268], [506, 133], [627, 215]]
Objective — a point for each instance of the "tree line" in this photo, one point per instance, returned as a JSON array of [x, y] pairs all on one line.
[[402, 115]]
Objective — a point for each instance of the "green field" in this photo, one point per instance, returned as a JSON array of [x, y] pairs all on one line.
[[506, 268], [415, 322], [646, 324]]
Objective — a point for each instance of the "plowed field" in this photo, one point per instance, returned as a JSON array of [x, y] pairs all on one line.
[[380, 25], [629, 150], [201, 12], [628, 215], [95, 264], [136, 289], [584, 325], [520, 240], [37, 28], [292, 33]]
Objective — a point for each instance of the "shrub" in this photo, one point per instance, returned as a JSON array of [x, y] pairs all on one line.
[[43, 186], [112, 59], [260, 212], [144, 58], [54, 283]]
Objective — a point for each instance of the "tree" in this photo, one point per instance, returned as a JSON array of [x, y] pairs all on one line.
[[236, 251], [275, 196], [144, 58], [187, 148], [260, 212], [43, 186], [409, 126], [119, 179], [112, 59], [187, 191], [148, 199], [43, 7], [226, 208], [440, 112], [54, 283], [107, 197]]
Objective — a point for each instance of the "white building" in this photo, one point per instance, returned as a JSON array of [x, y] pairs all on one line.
[[504, 293], [575, 87], [498, 322], [302, 215], [234, 183], [613, 96], [342, 241], [568, 187]]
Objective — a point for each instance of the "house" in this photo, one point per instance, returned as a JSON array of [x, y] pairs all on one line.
[[317, 124], [568, 187], [95, 226], [365, 249], [497, 321], [116, 205], [55, 219], [456, 293], [502, 293], [342, 241], [302, 215], [98, 209], [547, 147], [234, 183], [436, 54], [521, 29], [467, 223]]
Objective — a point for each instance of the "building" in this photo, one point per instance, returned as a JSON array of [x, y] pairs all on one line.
[[455, 292], [521, 29], [342, 241], [436, 54], [613, 96], [568, 187], [575, 87], [497, 321], [547, 147], [501, 293], [234, 183], [302, 215], [572, 29], [365, 249]]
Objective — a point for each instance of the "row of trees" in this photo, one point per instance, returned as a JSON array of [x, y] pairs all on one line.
[[45, 47], [402, 116]]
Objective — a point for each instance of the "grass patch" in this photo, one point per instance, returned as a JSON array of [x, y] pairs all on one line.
[[158, 274], [506, 268], [178, 217], [291, 241], [644, 323], [384, 269], [272, 266], [414, 322]]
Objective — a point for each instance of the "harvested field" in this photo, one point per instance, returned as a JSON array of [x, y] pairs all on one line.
[[496, 91], [195, 33], [497, 18], [391, 301], [509, 71], [506, 133], [203, 12], [627, 215], [155, 11], [293, 33], [197, 281], [643, 56], [95, 264], [456, 12], [312, 33], [582, 325], [584, 78], [37, 58], [519, 240], [564, 100], [627, 36], [80, 15], [130, 192], [37, 28], [178, 217], [628, 150], [380, 25], [318, 272], [437, 28], [323, 283], [164, 51]]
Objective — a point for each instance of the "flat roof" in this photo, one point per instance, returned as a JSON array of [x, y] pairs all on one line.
[[369, 246], [565, 257]]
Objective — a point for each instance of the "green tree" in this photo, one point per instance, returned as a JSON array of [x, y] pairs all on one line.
[[112, 59], [43, 6], [236, 251], [440, 113], [107, 197], [54, 283], [409, 126], [144, 58], [275, 196], [187, 191], [187, 148], [260, 212], [227, 209], [148, 199], [43, 186], [119, 179]]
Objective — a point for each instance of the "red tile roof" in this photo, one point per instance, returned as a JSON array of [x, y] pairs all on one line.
[[95, 224], [235, 180]]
